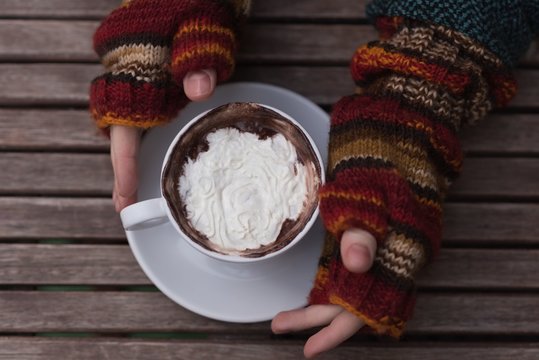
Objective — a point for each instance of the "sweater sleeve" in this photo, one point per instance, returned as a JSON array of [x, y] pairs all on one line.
[[394, 147], [505, 27], [148, 46]]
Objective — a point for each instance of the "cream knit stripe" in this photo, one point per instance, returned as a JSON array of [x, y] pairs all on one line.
[[401, 255], [144, 62]]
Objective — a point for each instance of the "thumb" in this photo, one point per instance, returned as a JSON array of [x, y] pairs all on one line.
[[199, 85], [358, 248]]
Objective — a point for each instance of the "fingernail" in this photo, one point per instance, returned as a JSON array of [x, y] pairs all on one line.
[[201, 83]]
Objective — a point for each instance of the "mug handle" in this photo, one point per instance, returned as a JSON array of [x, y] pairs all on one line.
[[144, 214]]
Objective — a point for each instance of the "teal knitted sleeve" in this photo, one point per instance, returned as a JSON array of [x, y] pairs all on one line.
[[505, 27]]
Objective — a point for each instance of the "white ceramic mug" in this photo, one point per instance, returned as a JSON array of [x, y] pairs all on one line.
[[166, 208]]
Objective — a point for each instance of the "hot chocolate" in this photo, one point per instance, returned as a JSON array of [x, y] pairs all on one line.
[[243, 180]]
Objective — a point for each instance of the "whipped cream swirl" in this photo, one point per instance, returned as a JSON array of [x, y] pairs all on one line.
[[241, 190]]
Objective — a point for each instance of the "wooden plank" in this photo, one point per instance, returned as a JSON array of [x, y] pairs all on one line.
[[46, 84], [40, 264], [37, 173], [72, 218], [507, 133], [46, 129], [509, 178], [39, 40], [31, 129], [67, 84], [94, 218], [56, 8], [39, 311], [91, 174], [476, 269], [32, 348], [276, 9], [491, 224]]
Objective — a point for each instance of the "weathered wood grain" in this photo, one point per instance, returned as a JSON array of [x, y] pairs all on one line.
[[69, 265], [49, 40], [510, 178], [46, 129], [94, 218], [73, 218], [54, 9], [46, 40], [42, 264], [95, 9], [91, 174], [67, 130], [503, 133], [39, 311], [128, 349], [66, 40], [276, 9], [57, 173], [67, 84]]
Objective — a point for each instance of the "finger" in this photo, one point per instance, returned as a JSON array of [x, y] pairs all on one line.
[[124, 142], [306, 318], [341, 328], [358, 249], [199, 85]]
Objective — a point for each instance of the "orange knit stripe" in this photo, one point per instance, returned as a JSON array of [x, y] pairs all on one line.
[[321, 277], [207, 49], [109, 119], [386, 325], [349, 195], [378, 58], [337, 226], [198, 27]]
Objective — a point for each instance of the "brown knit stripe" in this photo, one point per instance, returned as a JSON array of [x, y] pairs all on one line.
[[143, 62], [422, 96], [468, 46], [423, 42], [438, 42], [411, 160], [401, 255], [140, 72], [420, 41]]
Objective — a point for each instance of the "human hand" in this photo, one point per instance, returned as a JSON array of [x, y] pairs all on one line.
[[358, 249], [125, 141]]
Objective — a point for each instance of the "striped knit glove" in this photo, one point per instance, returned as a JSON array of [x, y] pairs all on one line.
[[148, 46], [393, 153]]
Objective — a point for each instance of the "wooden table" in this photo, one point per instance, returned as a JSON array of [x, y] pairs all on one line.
[[70, 287]]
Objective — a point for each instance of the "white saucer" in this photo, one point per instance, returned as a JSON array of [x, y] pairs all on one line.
[[248, 292]]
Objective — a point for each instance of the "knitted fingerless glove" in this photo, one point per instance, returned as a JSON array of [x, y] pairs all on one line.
[[148, 46], [393, 153]]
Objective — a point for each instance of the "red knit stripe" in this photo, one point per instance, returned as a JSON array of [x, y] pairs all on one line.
[[362, 107], [144, 16], [143, 100], [402, 205], [371, 294], [340, 214]]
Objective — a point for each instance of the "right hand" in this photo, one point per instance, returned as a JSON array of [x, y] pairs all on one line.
[[125, 141]]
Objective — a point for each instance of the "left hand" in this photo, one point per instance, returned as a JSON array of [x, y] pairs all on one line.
[[125, 141], [358, 249]]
